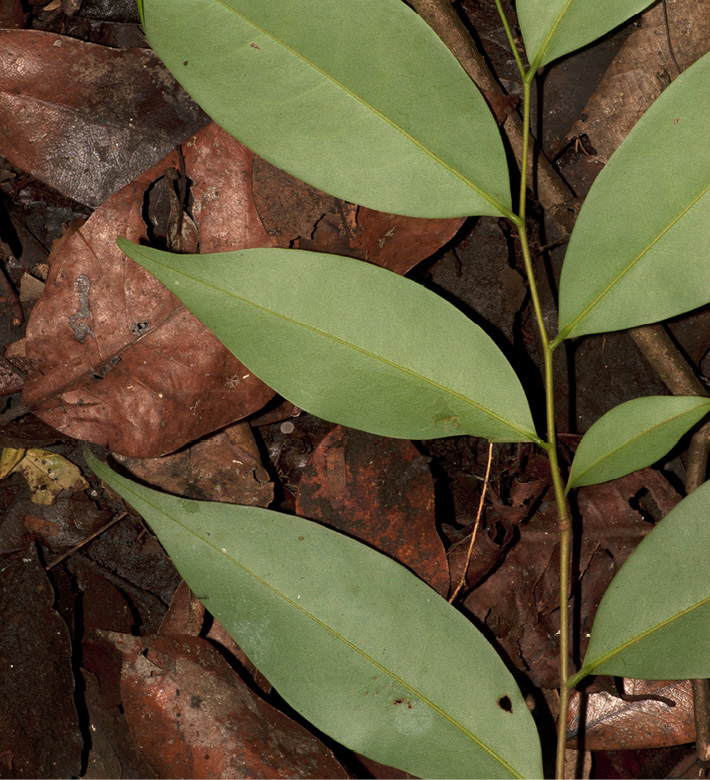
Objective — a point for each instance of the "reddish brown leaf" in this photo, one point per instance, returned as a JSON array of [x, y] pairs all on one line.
[[70, 121], [39, 733], [300, 216], [223, 467], [609, 722], [192, 716], [185, 615], [380, 491], [116, 358]]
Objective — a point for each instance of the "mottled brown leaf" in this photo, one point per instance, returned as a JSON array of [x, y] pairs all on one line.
[[380, 491], [225, 466], [87, 119], [603, 721], [116, 358], [299, 216], [192, 716]]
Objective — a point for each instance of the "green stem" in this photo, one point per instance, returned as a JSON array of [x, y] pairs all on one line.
[[565, 528]]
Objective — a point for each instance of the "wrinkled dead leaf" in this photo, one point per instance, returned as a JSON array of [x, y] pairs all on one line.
[[379, 491], [603, 721], [116, 359], [299, 216], [47, 473], [192, 716], [70, 121]]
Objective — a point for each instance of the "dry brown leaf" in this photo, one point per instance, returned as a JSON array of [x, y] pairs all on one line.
[[70, 120], [192, 716], [223, 467], [379, 491], [608, 722], [116, 359], [299, 216]]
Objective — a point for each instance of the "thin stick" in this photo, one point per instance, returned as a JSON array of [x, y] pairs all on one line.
[[85, 541], [475, 525]]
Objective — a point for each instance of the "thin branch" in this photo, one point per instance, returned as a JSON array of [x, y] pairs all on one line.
[[462, 581]]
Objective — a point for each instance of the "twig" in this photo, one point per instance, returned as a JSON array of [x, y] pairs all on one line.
[[85, 541], [462, 581]]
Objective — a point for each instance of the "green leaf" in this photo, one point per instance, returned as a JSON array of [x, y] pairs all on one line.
[[639, 251], [553, 28], [633, 435], [654, 620], [357, 644], [360, 99], [350, 342]]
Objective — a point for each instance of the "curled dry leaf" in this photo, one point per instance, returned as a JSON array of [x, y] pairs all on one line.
[[299, 216], [379, 491], [602, 721], [192, 716], [70, 121], [116, 359]]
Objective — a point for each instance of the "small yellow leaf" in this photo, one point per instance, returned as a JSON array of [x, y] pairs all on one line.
[[47, 474], [9, 458]]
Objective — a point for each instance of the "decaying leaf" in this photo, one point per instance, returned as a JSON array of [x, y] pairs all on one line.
[[225, 466], [299, 216], [47, 473], [652, 713], [192, 716], [644, 67], [380, 491], [116, 359], [70, 121]]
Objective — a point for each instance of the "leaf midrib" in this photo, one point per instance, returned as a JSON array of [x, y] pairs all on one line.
[[535, 64], [588, 669], [631, 441], [528, 435], [322, 624], [500, 207], [572, 324]]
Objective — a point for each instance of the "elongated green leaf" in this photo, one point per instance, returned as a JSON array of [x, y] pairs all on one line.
[[360, 99], [654, 620], [639, 251], [352, 640], [553, 28], [633, 435], [350, 342]]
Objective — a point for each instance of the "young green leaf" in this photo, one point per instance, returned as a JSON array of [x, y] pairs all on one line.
[[633, 435], [352, 640], [552, 28], [654, 620], [350, 342], [361, 100], [639, 250]]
